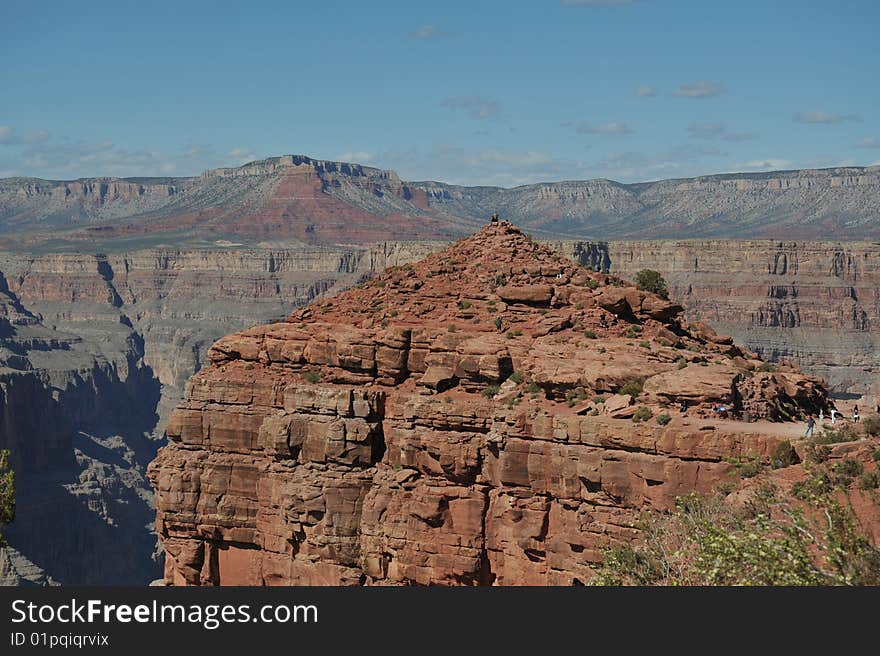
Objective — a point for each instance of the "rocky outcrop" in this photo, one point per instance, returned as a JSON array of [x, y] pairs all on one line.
[[434, 426]]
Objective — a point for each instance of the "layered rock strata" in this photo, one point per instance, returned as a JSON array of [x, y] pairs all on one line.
[[488, 415]]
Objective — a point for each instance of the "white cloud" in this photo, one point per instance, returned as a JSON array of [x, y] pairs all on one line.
[[717, 131], [9, 137], [823, 117], [769, 164], [869, 142], [68, 159], [701, 89], [477, 106], [355, 157], [646, 92], [506, 168], [614, 127], [426, 32]]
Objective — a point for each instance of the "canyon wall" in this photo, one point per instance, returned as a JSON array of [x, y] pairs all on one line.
[[815, 303], [140, 324]]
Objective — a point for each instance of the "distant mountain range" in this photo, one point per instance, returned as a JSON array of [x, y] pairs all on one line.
[[295, 199]]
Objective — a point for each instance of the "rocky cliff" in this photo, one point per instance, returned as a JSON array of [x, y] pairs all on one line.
[[492, 414]]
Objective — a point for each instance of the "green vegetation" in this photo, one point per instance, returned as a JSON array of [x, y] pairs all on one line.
[[7, 493], [835, 436], [648, 280], [464, 305], [645, 344], [589, 334], [766, 366], [642, 414], [682, 363], [748, 466], [633, 388], [451, 328], [490, 391], [872, 426], [599, 398], [516, 377], [533, 388], [766, 541], [663, 419], [312, 376]]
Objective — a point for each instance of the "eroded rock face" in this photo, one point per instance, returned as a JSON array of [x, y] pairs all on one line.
[[473, 418]]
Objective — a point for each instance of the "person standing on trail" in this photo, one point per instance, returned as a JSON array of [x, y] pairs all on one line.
[[856, 414], [833, 412], [811, 424]]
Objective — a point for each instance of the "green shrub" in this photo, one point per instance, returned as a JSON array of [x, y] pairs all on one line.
[[589, 334], [682, 363], [707, 542], [516, 377], [869, 480], [835, 436], [601, 349], [633, 388], [645, 344], [599, 398], [642, 414], [766, 366], [312, 376], [533, 388], [464, 305], [849, 468], [451, 328], [872, 426], [490, 391], [663, 419], [593, 284], [648, 280]]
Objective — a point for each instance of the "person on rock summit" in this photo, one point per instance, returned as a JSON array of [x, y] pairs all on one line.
[[494, 218]]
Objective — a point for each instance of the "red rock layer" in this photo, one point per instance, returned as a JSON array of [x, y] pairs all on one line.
[[459, 421]]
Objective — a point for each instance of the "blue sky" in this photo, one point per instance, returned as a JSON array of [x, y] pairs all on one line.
[[475, 92]]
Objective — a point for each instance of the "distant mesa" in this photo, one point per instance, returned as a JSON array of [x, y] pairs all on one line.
[[305, 200]]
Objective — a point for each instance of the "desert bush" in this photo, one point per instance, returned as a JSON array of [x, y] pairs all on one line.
[[648, 280], [490, 391], [663, 418], [451, 328], [706, 541], [312, 376], [872, 426], [516, 377], [642, 414], [589, 334], [682, 363], [633, 388], [834, 436]]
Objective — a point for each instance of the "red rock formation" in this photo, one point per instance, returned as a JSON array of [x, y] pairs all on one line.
[[473, 418]]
